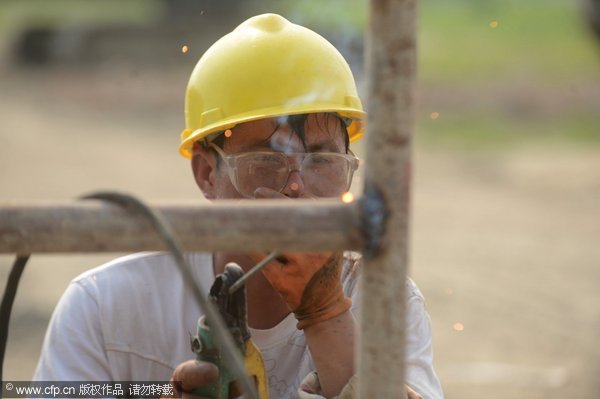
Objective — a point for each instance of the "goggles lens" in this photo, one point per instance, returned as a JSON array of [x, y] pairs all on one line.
[[323, 174]]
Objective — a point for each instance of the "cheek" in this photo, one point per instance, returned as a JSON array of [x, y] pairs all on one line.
[[223, 187]]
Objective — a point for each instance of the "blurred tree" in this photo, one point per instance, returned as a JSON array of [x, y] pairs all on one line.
[[70, 35], [593, 15]]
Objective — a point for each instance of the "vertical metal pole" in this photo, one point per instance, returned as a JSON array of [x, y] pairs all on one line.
[[391, 69]]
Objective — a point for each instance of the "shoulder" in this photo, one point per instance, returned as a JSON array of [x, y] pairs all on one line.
[[143, 288], [412, 291], [95, 329], [352, 264], [141, 271], [138, 263]]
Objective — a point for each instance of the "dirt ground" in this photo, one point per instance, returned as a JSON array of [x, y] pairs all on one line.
[[504, 244]]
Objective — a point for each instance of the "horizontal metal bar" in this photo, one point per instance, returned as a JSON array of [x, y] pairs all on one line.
[[95, 226]]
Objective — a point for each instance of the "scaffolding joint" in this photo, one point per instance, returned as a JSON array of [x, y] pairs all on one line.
[[373, 219]]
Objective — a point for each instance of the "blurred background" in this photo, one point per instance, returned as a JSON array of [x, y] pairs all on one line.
[[506, 195]]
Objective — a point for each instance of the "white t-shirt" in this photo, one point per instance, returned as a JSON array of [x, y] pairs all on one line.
[[131, 320]]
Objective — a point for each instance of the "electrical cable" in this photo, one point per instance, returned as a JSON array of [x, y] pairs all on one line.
[[162, 227], [7, 302]]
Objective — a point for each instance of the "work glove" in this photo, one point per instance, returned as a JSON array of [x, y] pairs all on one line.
[[310, 285]]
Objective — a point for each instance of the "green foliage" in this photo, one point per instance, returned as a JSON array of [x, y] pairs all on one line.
[[15, 14], [347, 16], [462, 44], [462, 129], [534, 40], [544, 40], [518, 47]]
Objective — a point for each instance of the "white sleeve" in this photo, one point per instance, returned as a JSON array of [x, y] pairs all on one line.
[[420, 374], [73, 348]]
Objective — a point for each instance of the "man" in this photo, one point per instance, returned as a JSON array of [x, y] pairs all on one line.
[[270, 111]]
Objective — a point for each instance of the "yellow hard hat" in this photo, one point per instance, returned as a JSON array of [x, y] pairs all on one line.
[[268, 67]]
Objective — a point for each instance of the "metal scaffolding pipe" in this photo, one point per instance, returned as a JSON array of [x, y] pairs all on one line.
[[376, 224], [391, 73], [95, 226]]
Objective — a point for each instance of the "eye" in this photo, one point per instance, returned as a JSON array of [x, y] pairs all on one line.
[[323, 159], [268, 158]]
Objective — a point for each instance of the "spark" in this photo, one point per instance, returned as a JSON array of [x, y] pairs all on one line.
[[184, 49], [494, 24], [294, 186], [458, 326], [228, 133], [434, 115], [347, 197]]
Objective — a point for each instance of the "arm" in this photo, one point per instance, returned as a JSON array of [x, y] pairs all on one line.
[[310, 283], [331, 344], [74, 347], [420, 376]]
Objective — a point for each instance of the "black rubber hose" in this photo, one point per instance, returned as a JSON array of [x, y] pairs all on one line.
[[221, 334], [7, 302], [167, 235]]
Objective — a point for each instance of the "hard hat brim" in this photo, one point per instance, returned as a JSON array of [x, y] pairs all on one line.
[[189, 137]]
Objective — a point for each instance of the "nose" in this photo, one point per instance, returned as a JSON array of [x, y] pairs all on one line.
[[294, 187]]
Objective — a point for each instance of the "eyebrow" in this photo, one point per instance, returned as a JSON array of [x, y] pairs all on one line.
[[265, 143], [317, 147], [328, 145]]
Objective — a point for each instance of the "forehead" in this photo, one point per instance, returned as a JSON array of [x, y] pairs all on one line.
[[320, 130]]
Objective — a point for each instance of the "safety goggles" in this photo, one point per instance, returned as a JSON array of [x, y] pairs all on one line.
[[323, 174]]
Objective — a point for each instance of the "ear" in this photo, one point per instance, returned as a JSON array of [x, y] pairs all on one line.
[[204, 167]]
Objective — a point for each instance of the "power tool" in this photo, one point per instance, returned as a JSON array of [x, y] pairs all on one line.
[[232, 307]]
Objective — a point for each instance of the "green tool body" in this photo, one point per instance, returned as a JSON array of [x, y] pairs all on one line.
[[210, 352], [232, 307]]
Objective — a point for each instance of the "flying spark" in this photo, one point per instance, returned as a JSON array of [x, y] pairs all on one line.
[[494, 24], [458, 326], [228, 133], [434, 115], [347, 198], [184, 49], [294, 186]]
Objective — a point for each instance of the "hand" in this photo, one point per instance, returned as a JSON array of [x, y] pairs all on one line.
[[193, 374], [411, 394], [309, 283]]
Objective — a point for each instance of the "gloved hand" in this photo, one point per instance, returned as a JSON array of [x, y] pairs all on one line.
[[310, 285]]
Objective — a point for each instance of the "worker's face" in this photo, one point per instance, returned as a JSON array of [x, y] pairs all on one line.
[[322, 134]]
